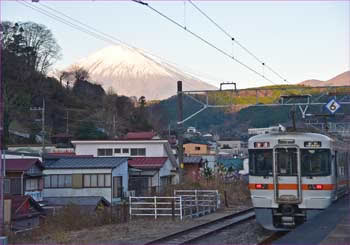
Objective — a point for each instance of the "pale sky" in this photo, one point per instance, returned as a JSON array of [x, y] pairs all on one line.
[[300, 40]]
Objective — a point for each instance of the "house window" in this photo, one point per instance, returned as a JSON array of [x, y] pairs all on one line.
[[32, 184], [93, 180], [97, 180], [47, 181], [138, 151], [117, 186], [54, 181], [197, 148], [117, 150], [7, 186], [125, 150], [101, 180], [105, 152], [107, 180], [58, 181], [77, 180], [87, 180]]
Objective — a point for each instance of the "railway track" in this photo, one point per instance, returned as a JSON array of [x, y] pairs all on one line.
[[198, 232]]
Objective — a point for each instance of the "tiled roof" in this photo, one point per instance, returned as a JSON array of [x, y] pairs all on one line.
[[192, 159], [139, 136], [86, 162], [80, 200], [147, 162], [21, 164]]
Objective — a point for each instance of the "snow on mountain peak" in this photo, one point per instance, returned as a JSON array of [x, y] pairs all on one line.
[[131, 72]]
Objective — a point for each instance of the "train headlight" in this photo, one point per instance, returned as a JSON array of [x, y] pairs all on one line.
[[260, 186]]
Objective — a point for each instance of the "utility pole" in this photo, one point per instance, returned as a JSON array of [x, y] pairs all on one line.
[[180, 128], [3, 239], [67, 116], [114, 126], [42, 109]]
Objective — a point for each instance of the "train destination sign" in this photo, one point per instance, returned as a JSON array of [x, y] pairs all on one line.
[[333, 106]]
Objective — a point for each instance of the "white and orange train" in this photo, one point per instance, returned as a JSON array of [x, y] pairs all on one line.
[[295, 175]]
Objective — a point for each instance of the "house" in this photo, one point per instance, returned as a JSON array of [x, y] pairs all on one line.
[[192, 148], [124, 148], [24, 177], [192, 166], [236, 147], [149, 175], [22, 212], [105, 177]]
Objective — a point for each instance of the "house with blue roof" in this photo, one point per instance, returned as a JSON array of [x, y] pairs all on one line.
[[94, 177]]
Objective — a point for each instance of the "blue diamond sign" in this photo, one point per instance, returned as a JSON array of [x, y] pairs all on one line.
[[333, 106]]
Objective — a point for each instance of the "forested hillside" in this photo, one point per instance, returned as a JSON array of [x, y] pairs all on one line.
[[73, 105]]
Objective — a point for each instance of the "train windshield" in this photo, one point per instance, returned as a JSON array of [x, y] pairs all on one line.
[[315, 162], [260, 162]]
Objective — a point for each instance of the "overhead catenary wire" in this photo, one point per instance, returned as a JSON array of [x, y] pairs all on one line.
[[205, 41], [77, 27], [238, 43], [80, 26]]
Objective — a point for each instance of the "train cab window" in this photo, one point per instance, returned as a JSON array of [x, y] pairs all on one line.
[[315, 162], [286, 161], [260, 162]]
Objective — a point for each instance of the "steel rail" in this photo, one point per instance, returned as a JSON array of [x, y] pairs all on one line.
[[206, 229]]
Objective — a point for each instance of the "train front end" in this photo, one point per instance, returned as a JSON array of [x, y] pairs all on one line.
[[289, 178]]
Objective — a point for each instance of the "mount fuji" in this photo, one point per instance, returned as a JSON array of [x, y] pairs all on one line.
[[131, 72]]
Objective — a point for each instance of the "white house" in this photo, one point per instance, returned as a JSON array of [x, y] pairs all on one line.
[[152, 161], [123, 148], [87, 177]]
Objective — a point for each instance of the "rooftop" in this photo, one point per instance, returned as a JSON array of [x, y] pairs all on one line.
[[86, 162], [21, 164], [147, 162], [192, 159], [77, 200]]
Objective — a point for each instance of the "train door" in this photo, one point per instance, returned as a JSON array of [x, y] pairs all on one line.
[[287, 175]]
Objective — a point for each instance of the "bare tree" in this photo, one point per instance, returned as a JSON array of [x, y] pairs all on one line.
[[79, 73], [33, 41]]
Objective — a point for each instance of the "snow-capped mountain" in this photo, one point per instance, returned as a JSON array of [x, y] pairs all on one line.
[[131, 72]]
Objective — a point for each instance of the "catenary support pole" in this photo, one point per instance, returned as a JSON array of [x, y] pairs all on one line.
[[180, 129]]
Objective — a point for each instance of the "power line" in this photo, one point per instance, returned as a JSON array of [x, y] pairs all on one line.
[[238, 43], [205, 41], [97, 34]]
